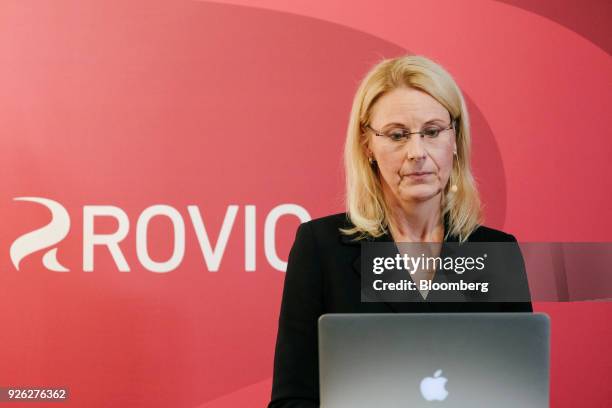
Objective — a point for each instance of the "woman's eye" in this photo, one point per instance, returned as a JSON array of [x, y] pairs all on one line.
[[396, 134], [431, 132]]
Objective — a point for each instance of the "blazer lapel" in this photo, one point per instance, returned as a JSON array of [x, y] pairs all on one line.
[[397, 307]]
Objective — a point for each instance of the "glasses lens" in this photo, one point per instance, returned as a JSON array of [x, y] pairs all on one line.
[[395, 134], [431, 132]]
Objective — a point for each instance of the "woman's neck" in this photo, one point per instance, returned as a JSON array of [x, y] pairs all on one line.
[[416, 221]]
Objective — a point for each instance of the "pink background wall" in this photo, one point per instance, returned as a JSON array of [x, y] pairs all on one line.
[[133, 104]]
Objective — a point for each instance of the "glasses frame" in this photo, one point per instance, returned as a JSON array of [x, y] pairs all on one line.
[[406, 134]]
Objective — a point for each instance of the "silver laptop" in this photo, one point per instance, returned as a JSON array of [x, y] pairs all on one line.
[[434, 360]]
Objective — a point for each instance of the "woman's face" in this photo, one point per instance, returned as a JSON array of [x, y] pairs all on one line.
[[413, 168]]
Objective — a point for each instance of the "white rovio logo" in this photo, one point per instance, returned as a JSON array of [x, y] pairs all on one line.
[[433, 388], [49, 236], [44, 237]]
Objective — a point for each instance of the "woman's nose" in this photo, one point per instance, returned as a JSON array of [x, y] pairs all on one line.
[[415, 148]]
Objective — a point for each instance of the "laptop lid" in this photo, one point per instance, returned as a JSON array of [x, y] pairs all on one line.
[[434, 360]]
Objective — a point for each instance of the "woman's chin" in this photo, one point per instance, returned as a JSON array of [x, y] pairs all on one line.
[[418, 193]]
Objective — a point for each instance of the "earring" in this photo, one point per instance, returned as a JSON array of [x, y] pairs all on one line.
[[371, 160]]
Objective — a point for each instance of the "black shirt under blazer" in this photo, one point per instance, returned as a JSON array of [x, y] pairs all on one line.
[[323, 276]]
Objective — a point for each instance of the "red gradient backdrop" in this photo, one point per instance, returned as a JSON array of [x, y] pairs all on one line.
[[138, 103]]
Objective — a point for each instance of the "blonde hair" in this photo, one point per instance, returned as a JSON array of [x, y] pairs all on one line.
[[365, 204]]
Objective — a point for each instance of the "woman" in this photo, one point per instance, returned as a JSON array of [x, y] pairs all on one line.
[[408, 180]]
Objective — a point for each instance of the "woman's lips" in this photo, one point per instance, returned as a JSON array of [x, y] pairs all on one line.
[[418, 174]]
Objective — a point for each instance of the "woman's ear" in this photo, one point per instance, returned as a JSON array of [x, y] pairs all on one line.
[[365, 144]]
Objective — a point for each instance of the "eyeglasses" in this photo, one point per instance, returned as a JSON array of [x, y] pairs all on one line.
[[398, 134]]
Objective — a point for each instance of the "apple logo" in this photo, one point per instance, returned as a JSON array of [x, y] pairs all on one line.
[[432, 388]]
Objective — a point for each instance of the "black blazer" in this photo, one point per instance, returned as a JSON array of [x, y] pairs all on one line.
[[323, 276]]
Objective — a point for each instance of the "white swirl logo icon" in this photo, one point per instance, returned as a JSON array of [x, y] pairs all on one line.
[[45, 237]]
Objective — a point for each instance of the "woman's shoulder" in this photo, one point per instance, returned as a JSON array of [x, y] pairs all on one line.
[[487, 234], [329, 224], [338, 220], [326, 230]]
